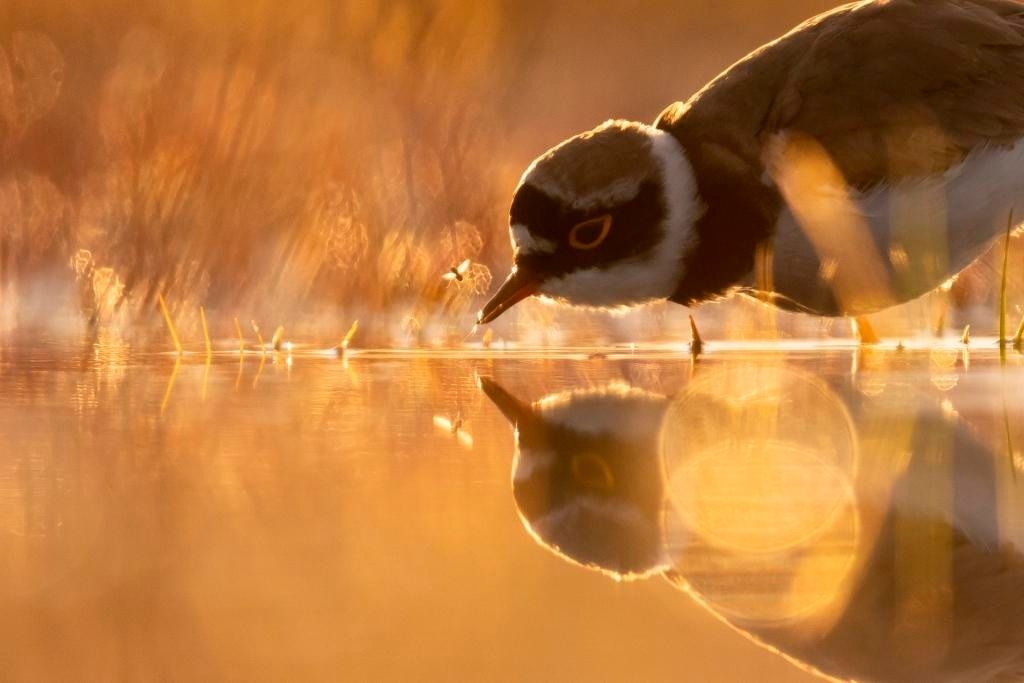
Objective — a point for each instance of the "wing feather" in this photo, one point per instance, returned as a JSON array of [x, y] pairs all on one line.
[[890, 89], [907, 87]]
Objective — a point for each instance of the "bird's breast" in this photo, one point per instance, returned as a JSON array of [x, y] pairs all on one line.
[[839, 251]]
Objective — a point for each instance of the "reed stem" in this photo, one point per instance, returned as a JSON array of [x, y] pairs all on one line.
[[206, 333], [170, 323], [1002, 289], [241, 339], [350, 334]]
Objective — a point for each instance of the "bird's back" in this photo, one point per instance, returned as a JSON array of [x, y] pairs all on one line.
[[909, 111]]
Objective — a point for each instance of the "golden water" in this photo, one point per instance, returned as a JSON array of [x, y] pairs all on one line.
[[307, 517]]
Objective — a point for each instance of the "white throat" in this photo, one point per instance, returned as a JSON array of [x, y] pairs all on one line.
[[655, 274]]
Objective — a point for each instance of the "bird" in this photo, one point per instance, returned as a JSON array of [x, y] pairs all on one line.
[[900, 560], [857, 162]]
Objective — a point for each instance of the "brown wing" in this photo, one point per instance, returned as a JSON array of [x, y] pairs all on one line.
[[906, 87], [888, 89]]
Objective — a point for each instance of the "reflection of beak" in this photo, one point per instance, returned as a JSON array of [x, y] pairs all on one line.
[[515, 411], [519, 285]]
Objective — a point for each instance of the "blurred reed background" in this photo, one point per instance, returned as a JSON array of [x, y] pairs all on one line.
[[312, 162]]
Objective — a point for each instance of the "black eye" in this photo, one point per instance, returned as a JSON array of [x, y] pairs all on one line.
[[590, 233]]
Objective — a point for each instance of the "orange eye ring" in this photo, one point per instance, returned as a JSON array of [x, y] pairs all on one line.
[[592, 472], [604, 223]]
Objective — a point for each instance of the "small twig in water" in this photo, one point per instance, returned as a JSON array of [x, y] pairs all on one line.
[[347, 339], [350, 334]]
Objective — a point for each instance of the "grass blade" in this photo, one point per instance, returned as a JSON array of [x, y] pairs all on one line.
[[170, 323], [1002, 289], [206, 333]]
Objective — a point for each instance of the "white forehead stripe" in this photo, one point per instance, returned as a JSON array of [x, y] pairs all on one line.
[[621, 191], [525, 242]]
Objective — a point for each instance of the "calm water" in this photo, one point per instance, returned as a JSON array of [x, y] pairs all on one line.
[[313, 518]]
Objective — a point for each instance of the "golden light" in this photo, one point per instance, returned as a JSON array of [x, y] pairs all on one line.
[[822, 205], [737, 444]]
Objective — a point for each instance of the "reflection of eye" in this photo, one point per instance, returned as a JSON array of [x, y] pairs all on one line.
[[589, 234], [592, 472]]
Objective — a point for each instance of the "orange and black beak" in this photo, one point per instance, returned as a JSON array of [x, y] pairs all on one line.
[[520, 284]]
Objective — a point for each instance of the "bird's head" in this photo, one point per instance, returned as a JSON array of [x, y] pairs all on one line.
[[603, 220]]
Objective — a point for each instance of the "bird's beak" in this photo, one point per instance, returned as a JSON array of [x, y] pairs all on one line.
[[519, 285], [517, 412]]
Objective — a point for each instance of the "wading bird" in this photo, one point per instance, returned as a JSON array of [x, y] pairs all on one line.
[[857, 162]]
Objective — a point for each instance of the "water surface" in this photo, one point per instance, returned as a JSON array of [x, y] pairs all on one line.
[[753, 515]]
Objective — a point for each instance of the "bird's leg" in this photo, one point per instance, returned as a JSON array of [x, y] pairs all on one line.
[[865, 332]]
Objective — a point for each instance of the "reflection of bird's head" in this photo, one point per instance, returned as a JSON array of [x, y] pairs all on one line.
[[603, 219], [586, 476]]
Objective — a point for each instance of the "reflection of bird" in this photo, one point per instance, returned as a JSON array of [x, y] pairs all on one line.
[[586, 476], [455, 426], [938, 596], [857, 162], [926, 585]]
